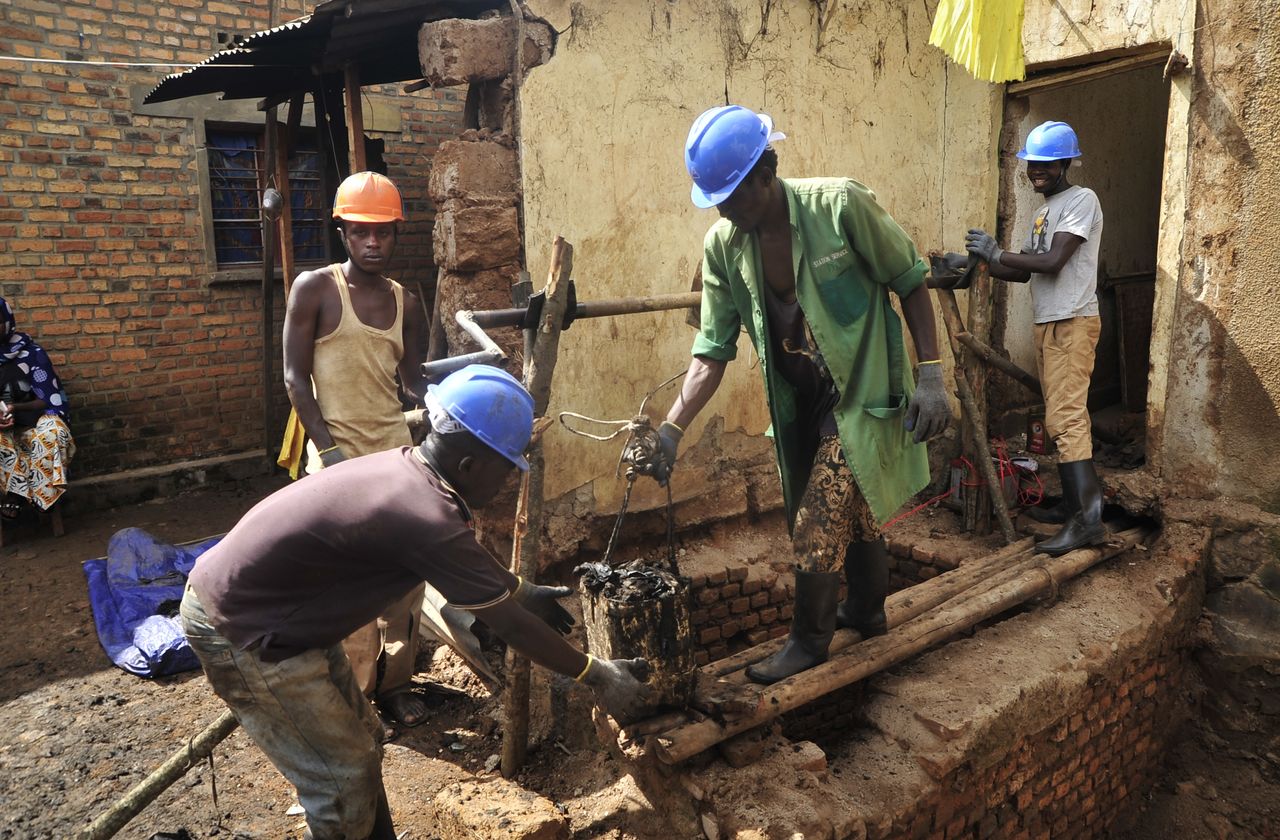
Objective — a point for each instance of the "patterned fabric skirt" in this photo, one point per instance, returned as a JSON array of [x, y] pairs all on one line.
[[832, 512], [33, 462]]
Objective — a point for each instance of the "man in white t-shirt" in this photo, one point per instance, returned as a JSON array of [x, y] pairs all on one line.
[[1060, 259]]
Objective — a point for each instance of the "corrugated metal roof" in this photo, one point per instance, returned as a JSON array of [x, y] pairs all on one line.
[[380, 35]]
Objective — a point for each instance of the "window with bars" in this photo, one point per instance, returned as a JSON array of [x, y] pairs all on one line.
[[237, 177]]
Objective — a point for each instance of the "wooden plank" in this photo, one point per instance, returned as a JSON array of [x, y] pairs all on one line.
[[1159, 55], [268, 301]]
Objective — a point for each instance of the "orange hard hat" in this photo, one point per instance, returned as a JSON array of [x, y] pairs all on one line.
[[368, 197]]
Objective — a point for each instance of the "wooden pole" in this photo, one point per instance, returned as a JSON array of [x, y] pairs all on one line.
[[145, 792], [874, 655], [355, 117], [951, 316], [539, 365], [900, 607], [268, 301], [977, 434]]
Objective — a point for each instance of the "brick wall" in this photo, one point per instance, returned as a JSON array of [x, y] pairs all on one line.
[[1077, 777], [103, 255]]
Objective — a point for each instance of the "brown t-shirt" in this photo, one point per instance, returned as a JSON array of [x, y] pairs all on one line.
[[313, 562]]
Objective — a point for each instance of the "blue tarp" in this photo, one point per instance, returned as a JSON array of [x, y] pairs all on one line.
[[135, 591]]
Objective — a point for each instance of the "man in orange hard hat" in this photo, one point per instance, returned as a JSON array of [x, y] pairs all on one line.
[[348, 331]]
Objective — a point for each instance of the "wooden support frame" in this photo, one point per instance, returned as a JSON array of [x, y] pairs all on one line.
[[355, 117]]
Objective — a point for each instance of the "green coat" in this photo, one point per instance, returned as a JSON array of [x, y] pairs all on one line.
[[847, 253]]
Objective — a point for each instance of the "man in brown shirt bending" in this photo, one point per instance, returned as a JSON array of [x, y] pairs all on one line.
[[348, 331], [267, 608]]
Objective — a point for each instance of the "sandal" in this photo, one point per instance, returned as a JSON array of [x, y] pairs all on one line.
[[400, 708], [10, 509]]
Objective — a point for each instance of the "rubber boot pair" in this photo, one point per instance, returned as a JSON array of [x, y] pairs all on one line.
[[816, 614], [1082, 496]]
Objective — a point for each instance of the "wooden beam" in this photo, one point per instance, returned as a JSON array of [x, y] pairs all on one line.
[[874, 655], [355, 117], [1159, 55], [538, 369]]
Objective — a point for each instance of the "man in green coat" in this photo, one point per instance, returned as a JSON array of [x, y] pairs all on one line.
[[806, 266]]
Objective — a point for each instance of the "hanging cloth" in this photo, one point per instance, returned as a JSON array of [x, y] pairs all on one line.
[[982, 36], [294, 445]]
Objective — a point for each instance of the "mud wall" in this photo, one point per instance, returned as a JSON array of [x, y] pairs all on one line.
[[857, 91]]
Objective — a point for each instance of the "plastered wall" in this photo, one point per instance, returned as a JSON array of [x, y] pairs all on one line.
[[603, 126]]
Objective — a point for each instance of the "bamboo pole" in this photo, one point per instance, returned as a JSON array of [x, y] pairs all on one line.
[[874, 655], [539, 366], [978, 434], [900, 607], [145, 792]]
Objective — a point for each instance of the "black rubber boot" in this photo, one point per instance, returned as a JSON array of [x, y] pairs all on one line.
[[812, 625], [1055, 515], [866, 575], [1082, 490]]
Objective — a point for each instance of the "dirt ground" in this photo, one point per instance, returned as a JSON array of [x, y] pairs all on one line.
[[79, 732]]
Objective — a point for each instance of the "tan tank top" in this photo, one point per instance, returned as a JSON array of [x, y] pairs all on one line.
[[354, 377]]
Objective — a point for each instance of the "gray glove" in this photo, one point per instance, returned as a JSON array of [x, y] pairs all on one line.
[[669, 435], [544, 602], [332, 455], [983, 244], [928, 413], [619, 686]]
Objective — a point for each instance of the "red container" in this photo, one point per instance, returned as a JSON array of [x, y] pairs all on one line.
[[1037, 436]]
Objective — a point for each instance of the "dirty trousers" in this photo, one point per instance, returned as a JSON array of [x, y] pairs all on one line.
[[832, 512], [1064, 359], [393, 634], [309, 717]]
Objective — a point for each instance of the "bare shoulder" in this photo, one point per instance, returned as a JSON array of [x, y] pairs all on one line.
[[312, 283]]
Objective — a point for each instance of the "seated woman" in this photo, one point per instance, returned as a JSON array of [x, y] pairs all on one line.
[[35, 441]]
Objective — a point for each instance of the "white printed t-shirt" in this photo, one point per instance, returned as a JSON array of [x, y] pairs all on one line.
[[1072, 292]]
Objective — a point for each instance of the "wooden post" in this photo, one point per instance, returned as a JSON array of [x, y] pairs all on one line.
[[539, 365], [268, 302], [281, 164], [355, 117], [972, 411]]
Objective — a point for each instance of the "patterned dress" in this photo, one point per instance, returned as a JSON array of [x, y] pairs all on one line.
[[36, 449]]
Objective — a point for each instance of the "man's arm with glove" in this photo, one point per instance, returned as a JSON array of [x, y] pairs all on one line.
[[700, 384], [544, 602], [928, 413], [618, 683]]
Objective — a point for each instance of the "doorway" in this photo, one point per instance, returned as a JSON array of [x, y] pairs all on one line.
[[1119, 110]]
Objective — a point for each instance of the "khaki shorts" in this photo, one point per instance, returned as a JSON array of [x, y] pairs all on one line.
[[832, 512], [1064, 358]]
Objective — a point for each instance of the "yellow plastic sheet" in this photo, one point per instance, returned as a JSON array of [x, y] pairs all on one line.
[[982, 36], [293, 446]]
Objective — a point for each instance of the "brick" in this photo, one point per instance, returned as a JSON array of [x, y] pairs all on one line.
[[739, 605], [708, 635], [737, 574], [475, 170], [457, 51], [730, 591]]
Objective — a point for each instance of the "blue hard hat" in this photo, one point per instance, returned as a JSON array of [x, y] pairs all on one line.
[[1051, 141], [492, 405], [722, 146]]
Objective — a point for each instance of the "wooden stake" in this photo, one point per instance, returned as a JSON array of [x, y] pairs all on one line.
[[874, 655], [268, 302], [539, 365], [951, 315]]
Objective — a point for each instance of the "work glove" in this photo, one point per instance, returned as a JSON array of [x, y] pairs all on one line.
[[669, 435], [982, 244], [951, 270], [544, 602], [619, 686], [928, 413], [332, 455]]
